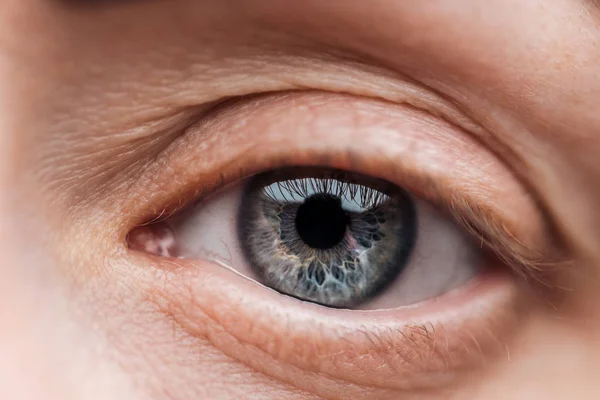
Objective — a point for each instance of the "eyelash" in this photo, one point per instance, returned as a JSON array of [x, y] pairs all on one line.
[[363, 196]]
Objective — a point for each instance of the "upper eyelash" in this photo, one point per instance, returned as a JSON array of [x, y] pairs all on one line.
[[363, 196], [497, 237]]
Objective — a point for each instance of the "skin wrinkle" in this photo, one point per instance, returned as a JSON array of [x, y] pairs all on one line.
[[177, 325], [239, 90], [253, 381], [163, 139], [123, 157]]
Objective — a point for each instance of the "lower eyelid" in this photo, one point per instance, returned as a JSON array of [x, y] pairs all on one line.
[[406, 348]]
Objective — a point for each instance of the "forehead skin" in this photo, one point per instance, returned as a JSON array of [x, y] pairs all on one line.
[[87, 87]]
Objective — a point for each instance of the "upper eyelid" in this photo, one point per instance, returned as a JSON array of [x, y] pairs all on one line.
[[497, 236], [484, 223], [384, 85]]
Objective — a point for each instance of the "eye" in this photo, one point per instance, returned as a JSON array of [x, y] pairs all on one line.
[[334, 238], [321, 232]]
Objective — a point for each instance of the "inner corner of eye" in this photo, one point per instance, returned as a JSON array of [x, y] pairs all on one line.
[[154, 238]]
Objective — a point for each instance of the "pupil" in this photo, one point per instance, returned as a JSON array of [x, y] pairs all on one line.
[[321, 221]]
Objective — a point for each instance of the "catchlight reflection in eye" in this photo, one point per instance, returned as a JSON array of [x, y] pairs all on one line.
[[329, 237]]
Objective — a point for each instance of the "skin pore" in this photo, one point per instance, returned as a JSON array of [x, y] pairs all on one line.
[[117, 113]]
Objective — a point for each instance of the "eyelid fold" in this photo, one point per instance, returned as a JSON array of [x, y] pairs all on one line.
[[428, 157]]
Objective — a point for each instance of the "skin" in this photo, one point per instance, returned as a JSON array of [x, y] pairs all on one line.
[[108, 119]]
